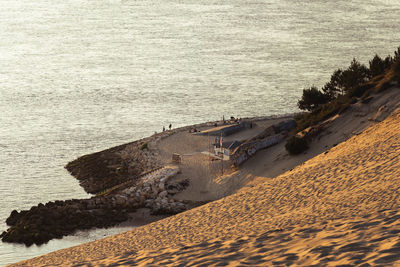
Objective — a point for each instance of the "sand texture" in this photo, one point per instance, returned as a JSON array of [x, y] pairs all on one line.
[[340, 207], [371, 240]]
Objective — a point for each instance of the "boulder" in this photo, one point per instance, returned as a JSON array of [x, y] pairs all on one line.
[[163, 194], [120, 200], [161, 186], [164, 202]]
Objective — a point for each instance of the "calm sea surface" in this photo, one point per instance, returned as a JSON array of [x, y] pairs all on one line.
[[81, 76]]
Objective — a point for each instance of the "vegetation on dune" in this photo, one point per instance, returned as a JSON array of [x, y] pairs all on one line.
[[312, 99], [296, 145], [344, 89]]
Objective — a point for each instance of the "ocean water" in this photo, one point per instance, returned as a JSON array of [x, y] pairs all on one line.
[[80, 76]]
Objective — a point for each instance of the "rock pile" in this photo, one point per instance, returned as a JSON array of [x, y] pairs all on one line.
[[59, 218], [56, 219], [138, 158], [154, 191]]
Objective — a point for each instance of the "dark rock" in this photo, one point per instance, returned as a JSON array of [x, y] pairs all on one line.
[[43, 222], [13, 218]]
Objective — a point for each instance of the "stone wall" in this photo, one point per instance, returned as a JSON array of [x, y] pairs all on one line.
[[267, 138], [244, 152]]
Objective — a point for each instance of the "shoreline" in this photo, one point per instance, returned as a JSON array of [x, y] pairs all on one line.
[[108, 208], [312, 210], [265, 170], [74, 168]]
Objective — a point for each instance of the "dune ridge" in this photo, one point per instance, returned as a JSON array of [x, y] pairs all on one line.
[[355, 184]]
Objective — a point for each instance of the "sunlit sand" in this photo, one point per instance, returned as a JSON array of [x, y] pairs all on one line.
[[338, 207]]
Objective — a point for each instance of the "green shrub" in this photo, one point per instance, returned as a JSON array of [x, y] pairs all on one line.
[[296, 145], [358, 91], [324, 112], [355, 75], [396, 54], [396, 70], [343, 89], [343, 81], [391, 75], [312, 98], [376, 66]]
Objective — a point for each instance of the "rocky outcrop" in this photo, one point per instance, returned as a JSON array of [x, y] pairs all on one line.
[[59, 218]]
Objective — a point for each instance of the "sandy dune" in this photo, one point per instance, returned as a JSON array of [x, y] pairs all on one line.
[[370, 240], [340, 207]]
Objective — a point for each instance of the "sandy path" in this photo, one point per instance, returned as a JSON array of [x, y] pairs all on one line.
[[355, 179]]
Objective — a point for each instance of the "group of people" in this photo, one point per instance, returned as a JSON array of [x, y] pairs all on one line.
[[232, 119], [170, 127], [195, 130]]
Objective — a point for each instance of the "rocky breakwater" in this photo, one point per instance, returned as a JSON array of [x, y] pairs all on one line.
[[56, 219], [155, 191]]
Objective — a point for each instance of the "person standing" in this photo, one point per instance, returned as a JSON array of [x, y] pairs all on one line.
[[170, 126]]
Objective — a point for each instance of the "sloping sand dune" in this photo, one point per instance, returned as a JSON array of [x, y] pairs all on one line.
[[330, 208], [370, 240]]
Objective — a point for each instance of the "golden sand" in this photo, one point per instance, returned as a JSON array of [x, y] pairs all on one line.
[[340, 207]]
